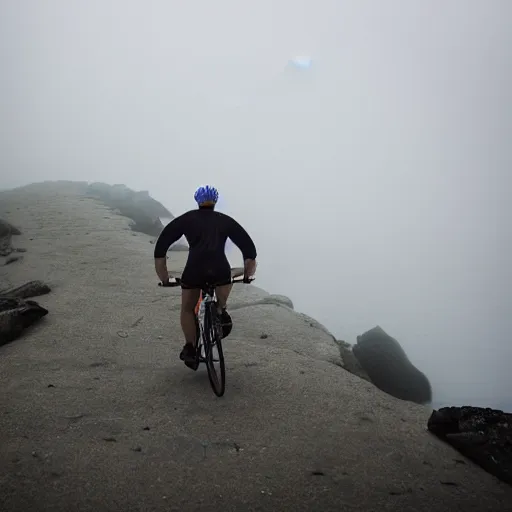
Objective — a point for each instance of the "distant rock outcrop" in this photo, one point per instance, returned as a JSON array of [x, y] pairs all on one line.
[[57, 187], [389, 368], [144, 211], [140, 207], [483, 435]]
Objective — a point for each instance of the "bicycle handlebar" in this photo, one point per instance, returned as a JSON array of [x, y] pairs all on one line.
[[177, 281]]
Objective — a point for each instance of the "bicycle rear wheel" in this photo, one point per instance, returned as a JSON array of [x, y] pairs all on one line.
[[213, 350]]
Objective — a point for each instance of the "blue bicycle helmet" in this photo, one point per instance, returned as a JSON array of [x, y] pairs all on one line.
[[206, 195]]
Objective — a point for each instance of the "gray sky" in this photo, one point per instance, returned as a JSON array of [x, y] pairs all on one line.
[[387, 162]]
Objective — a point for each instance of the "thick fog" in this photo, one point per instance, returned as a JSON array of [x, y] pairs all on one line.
[[375, 182]]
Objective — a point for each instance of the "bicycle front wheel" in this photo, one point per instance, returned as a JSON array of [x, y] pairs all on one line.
[[213, 348]]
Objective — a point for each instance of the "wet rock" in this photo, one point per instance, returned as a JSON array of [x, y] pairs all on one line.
[[16, 315], [29, 289], [483, 435], [389, 368]]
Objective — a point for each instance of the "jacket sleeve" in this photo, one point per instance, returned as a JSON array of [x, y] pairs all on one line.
[[170, 234], [242, 240]]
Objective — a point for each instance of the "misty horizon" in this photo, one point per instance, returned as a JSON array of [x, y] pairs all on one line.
[[374, 182]]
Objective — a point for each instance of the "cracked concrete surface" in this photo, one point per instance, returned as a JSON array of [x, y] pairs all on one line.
[[94, 421]]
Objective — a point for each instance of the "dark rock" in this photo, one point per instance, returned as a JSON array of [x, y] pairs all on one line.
[[29, 289], [16, 315], [11, 259], [483, 435], [7, 230], [5, 245], [388, 367]]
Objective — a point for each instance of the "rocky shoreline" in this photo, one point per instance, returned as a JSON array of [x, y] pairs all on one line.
[[16, 312]]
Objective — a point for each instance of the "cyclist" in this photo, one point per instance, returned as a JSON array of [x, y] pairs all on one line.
[[206, 231]]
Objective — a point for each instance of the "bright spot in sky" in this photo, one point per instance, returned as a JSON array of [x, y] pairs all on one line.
[[302, 62]]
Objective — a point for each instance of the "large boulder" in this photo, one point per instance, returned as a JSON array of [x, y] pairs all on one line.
[[389, 368], [481, 434], [121, 194]]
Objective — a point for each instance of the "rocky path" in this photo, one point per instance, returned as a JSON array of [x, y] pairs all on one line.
[[98, 414]]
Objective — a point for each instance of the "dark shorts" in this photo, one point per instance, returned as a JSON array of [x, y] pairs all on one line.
[[196, 274]]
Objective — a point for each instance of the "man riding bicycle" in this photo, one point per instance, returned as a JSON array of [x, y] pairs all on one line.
[[206, 231]]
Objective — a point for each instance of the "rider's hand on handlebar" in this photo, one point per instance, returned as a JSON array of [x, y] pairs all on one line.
[[249, 268]]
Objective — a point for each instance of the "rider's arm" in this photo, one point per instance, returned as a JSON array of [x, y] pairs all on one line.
[[170, 234], [242, 240]]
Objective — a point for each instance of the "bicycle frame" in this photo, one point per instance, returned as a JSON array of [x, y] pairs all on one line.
[[204, 298], [206, 342]]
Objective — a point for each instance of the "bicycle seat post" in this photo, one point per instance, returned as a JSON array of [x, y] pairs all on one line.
[[209, 290]]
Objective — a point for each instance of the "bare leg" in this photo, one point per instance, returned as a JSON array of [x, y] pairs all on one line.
[[222, 293], [188, 323]]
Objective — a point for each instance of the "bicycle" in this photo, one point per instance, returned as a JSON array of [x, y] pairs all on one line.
[[209, 331]]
